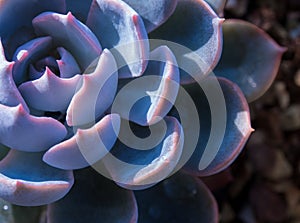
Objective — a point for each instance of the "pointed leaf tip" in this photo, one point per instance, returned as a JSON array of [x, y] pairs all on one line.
[[200, 34], [250, 58], [120, 29], [147, 99], [49, 92], [87, 146], [154, 12], [223, 132], [67, 31], [27, 53], [67, 64], [96, 92], [79, 8], [22, 131], [12, 29], [27, 181], [135, 167]]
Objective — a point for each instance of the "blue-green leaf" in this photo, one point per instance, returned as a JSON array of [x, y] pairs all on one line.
[[26, 180], [250, 58]]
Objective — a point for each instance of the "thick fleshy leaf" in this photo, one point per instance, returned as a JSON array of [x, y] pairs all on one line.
[[27, 180], [33, 73], [137, 163], [96, 93], [87, 146], [120, 29], [153, 12], [223, 133], [250, 58], [79, 8], [20, 130], [180, 198], [9, 94], [94, 199], [70, 33], [50, 92], [198, 29], [27, 54], [147, 99], [48, 61], [67, 64], [217, 5], [26, 11]]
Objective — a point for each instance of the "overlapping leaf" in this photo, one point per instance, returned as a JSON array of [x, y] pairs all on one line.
[[94, 199], [86, 147], [180, 198], [49, 92], [74, 35], [96, 93], [200, 32], [14, 130], [153, 12], [138, 164], [26, 11], [26, 180], [9, 94], [250, 58], [147, 99], [28, 53], [120, 29], [223, 132]]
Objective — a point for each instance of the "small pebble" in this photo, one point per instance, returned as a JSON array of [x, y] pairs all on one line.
[[290, 119]]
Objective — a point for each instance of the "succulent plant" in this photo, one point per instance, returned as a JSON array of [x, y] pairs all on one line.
[[111, 110]]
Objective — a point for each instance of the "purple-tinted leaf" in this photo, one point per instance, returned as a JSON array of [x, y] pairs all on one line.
[[217, 149], [20, 130], [79, 8], [96, 93], [137, 163], [199, 29], [153, 12], [9, 94], [217, 5], [27, 54], [180, 198], [87, 146], [67, 65], [27, 180], [94, 199], [250, 58], [25, 11], [119, 27], [50, 92], [33, 73], [70, 33], [147, 99], [48, 61]]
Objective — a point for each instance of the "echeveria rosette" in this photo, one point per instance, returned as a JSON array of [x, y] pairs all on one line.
[[77, 76]]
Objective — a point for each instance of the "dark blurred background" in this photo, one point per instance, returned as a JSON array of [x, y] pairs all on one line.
[[263, 184]]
